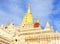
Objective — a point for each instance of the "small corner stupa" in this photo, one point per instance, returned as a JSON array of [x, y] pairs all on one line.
[[48, 27], [36, 24]]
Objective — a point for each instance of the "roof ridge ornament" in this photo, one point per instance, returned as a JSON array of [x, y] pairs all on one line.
[[29, 8], [37, 20]]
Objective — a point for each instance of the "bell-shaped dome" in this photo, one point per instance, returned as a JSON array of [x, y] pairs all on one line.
[[28, 19], [36, 25]]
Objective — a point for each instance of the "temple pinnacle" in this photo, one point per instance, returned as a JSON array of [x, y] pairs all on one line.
[[29, 8], [37, 21]]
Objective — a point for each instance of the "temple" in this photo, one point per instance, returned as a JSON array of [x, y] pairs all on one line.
[[28, 32]]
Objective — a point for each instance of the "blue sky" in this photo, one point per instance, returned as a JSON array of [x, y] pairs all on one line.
[[43, 9]]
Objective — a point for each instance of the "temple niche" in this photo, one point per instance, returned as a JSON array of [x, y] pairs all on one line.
[[28, 32]]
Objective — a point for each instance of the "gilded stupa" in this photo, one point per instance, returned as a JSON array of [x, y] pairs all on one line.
[[28, 32], [28, 17]]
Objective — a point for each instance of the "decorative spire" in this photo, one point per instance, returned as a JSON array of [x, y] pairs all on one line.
[[8, 24], [37, 21], [28, 8], [12, 22], [2, 24], [28, 19], [47, 24], [47, 27]]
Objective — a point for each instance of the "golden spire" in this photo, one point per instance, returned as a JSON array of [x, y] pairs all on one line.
[[28, 17], [28, 8], [37, 21]]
